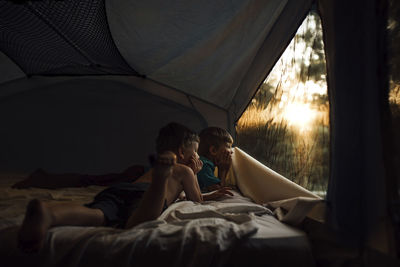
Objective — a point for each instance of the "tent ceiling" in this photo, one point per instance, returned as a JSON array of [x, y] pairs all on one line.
[[194, 55], [59, 37], [204, 50], [201, 48]]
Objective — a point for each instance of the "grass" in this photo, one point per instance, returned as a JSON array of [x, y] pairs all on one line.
[[302, 157], [286, 126], [271, 129]]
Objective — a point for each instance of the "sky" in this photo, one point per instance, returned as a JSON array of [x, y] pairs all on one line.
[[295, 98]]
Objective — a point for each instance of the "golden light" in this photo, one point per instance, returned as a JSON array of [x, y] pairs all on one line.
[[299, 115], [294, 99]]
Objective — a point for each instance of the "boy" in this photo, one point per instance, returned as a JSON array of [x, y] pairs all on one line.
[[127, 204], [215, 149]]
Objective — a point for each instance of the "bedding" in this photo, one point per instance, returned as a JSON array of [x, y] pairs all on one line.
[[233, 231]]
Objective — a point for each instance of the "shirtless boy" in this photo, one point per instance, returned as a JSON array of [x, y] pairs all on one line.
[[127, 204]]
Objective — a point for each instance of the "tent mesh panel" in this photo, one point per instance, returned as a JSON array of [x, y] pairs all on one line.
[[59, 38]]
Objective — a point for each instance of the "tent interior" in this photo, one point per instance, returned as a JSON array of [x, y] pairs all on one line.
[[86, 85]]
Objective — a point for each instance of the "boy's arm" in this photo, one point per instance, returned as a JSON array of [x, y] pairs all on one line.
[[222, 175], [190, 185], [192, 189], [222, 192], [224, 163]]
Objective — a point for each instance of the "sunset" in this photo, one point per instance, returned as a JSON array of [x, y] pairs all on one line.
[[299, 115], [289, 115]]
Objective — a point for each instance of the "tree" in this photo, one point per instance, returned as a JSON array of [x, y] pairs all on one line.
[[394, 41], [314, 67]]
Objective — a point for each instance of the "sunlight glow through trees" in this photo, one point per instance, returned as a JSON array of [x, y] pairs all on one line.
[[286, 126]]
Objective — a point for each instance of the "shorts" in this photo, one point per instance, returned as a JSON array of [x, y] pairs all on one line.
[[118, 201]]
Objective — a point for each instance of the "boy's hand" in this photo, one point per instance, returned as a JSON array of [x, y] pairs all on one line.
[[213, 187], [222, 192], [195, 164], [224, 160], [181, 197]]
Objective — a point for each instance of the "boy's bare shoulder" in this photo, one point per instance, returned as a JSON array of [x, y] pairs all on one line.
[[182, 170]]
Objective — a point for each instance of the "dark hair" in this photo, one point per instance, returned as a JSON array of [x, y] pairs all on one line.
[[174, 135], [213, 136]]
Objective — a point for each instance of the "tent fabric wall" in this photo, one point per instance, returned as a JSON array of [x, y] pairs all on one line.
[[356, 192], [9, 70], [270, 51], [85, 125], [191, 54]]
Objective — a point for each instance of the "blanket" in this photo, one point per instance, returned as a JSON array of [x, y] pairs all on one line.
[[233, 231], [291, 202]]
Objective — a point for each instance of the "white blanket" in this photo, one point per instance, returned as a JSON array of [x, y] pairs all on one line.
[[186, 234], [214, 233], [198, 241]]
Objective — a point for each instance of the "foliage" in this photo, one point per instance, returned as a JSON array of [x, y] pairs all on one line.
[[314, 67], [303, 160], [394, 56], [265, 133], [304, 157], [394, 41]]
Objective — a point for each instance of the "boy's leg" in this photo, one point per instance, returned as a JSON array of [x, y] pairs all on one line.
[[40, 216], [43, 179], [152, 203]]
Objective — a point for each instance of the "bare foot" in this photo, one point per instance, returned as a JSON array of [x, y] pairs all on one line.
[[34, 227], [163, 166], [36, 179]]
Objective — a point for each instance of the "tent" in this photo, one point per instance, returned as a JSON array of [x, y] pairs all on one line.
[[85, 85]]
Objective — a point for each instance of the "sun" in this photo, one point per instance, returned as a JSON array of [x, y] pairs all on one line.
[[299, 115]]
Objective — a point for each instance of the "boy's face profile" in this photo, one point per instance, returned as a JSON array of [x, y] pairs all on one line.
[[186, 153], [221, 150]]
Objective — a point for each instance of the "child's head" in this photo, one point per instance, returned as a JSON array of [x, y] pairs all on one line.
[[179, 139], [213, 141]]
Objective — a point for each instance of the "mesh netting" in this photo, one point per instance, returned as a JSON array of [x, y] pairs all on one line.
[[59, 38]]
